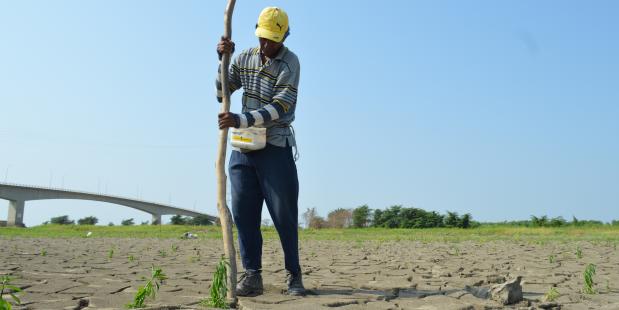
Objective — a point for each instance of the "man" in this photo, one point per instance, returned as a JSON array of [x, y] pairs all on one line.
[[269, 76]]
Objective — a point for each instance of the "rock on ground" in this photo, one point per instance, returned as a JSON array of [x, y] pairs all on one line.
[[508, 293]]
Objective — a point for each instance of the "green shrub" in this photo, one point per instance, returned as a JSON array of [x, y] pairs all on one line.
[[89, 220], [62, 220], [149, 289], [219, 287], [12, 290], [588, 276]]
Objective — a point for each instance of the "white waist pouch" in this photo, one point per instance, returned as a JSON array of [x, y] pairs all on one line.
[[249, 139]]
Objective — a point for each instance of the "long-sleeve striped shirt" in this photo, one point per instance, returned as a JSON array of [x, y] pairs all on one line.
[[269, 92]]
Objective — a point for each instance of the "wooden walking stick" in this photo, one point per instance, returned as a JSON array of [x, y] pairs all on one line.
[[225, 217]]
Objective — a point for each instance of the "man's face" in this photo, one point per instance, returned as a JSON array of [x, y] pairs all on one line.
[[269, 48]]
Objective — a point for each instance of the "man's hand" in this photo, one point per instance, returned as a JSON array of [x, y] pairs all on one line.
[[225, 45], [228, 119]]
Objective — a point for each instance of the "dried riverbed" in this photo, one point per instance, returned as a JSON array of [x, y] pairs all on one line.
[[104, 273]]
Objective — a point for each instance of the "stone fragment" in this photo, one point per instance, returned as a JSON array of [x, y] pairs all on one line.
[[477, 291], [507, 293]]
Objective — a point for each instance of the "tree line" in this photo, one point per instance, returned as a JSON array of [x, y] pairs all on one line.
[[392, 217], [545, 221], [402, 217], [200, 220]]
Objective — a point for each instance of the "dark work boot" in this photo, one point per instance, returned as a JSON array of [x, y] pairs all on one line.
[[250, 284], [295, 284]]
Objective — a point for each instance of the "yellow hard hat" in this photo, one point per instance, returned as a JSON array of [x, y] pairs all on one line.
[[272, 24]]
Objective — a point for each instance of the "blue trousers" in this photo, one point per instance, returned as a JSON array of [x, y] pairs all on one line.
[[267, 175]]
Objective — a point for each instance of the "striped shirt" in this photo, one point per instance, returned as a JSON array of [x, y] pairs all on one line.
[[269, 92]]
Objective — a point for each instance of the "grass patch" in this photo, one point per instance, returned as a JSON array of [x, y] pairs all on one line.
[[80, 231], [539, 235], [589, 283], [552, 294], [219, 289], [579, 252], [149, 289], [480, 234], [9, 289]]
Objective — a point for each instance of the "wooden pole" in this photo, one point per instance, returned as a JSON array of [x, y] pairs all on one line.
[[225, 217]]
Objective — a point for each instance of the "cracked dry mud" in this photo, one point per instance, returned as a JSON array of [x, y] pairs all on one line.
[[77, 273]]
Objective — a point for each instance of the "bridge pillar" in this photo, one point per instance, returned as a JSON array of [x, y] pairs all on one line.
[[16, 213], [156, 220]]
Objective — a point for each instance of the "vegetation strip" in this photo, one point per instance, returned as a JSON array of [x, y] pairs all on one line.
[[605, 233]]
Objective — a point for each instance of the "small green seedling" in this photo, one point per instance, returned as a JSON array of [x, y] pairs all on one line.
[[110, 253], [456, 251], [552, 294], [552, 258], [579, 252], [163, 253], [5, 284], [131, 258], [174, 248], [43, 252], [219, 288], [588, 275], [149, 289]]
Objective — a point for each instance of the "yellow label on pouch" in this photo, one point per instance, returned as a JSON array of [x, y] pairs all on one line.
[[241, 139]]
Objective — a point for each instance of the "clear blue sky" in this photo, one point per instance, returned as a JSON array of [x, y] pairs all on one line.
[[502, 109]]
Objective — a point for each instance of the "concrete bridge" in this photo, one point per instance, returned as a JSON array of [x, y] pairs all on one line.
[[17, 195]]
